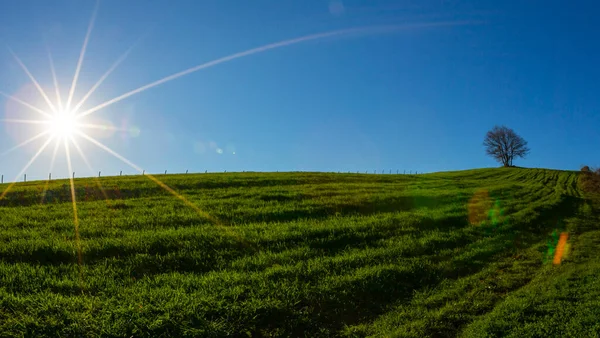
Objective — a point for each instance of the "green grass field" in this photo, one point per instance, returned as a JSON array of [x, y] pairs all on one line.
[[466, 253]]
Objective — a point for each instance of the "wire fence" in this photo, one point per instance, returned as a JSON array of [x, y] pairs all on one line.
[[374, 172]]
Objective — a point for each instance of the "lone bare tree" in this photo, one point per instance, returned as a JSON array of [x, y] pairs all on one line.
[[503, 144]]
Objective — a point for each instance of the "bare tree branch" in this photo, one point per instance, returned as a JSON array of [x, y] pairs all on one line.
[[503, 144]]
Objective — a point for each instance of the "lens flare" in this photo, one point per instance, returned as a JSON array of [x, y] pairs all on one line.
[[558, 247], [479, 206], [33, 80], [561, 248], [35, 109]]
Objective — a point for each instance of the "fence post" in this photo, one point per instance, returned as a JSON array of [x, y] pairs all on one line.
[[186, 171], [165, 172], [99, 173], [73, 175], [121, 173], [25, 178], [49, 176], [2, 179], [390, 171], [143, 172]]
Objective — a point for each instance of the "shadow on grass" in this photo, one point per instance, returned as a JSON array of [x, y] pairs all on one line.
[[363, 299], [551, 217], [45, 255], [333, 240], [291, 212], [354, 300]]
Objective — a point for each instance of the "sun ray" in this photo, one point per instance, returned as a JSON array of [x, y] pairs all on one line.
[[25, 121], [26, 167], [82, 54], [55, 80], [102, 78], [266, 48], [87, 163], [75, 218], [36, 109], [50, 170], [187, 202], [100, 126], [35, 83], [110, 151], [161, 184], [83, 157], [26, 142]]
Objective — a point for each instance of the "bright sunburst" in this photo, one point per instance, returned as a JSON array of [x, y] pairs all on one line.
[[63, 125]]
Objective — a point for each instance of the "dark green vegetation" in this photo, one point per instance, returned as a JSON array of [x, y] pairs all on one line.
[[301, 254]]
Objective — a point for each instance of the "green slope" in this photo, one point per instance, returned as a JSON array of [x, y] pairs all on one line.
[[302, 254]]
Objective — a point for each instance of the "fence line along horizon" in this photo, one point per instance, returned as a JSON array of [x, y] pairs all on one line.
[[73, 175]]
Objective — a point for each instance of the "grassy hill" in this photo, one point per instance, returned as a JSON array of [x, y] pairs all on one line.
[[465, 253]]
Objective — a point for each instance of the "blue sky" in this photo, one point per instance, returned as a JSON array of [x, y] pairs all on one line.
[[419, 97]]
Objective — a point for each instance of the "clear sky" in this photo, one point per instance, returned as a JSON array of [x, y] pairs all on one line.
[[418, 95]]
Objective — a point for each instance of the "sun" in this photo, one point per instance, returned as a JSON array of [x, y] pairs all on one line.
[[63, 124]]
